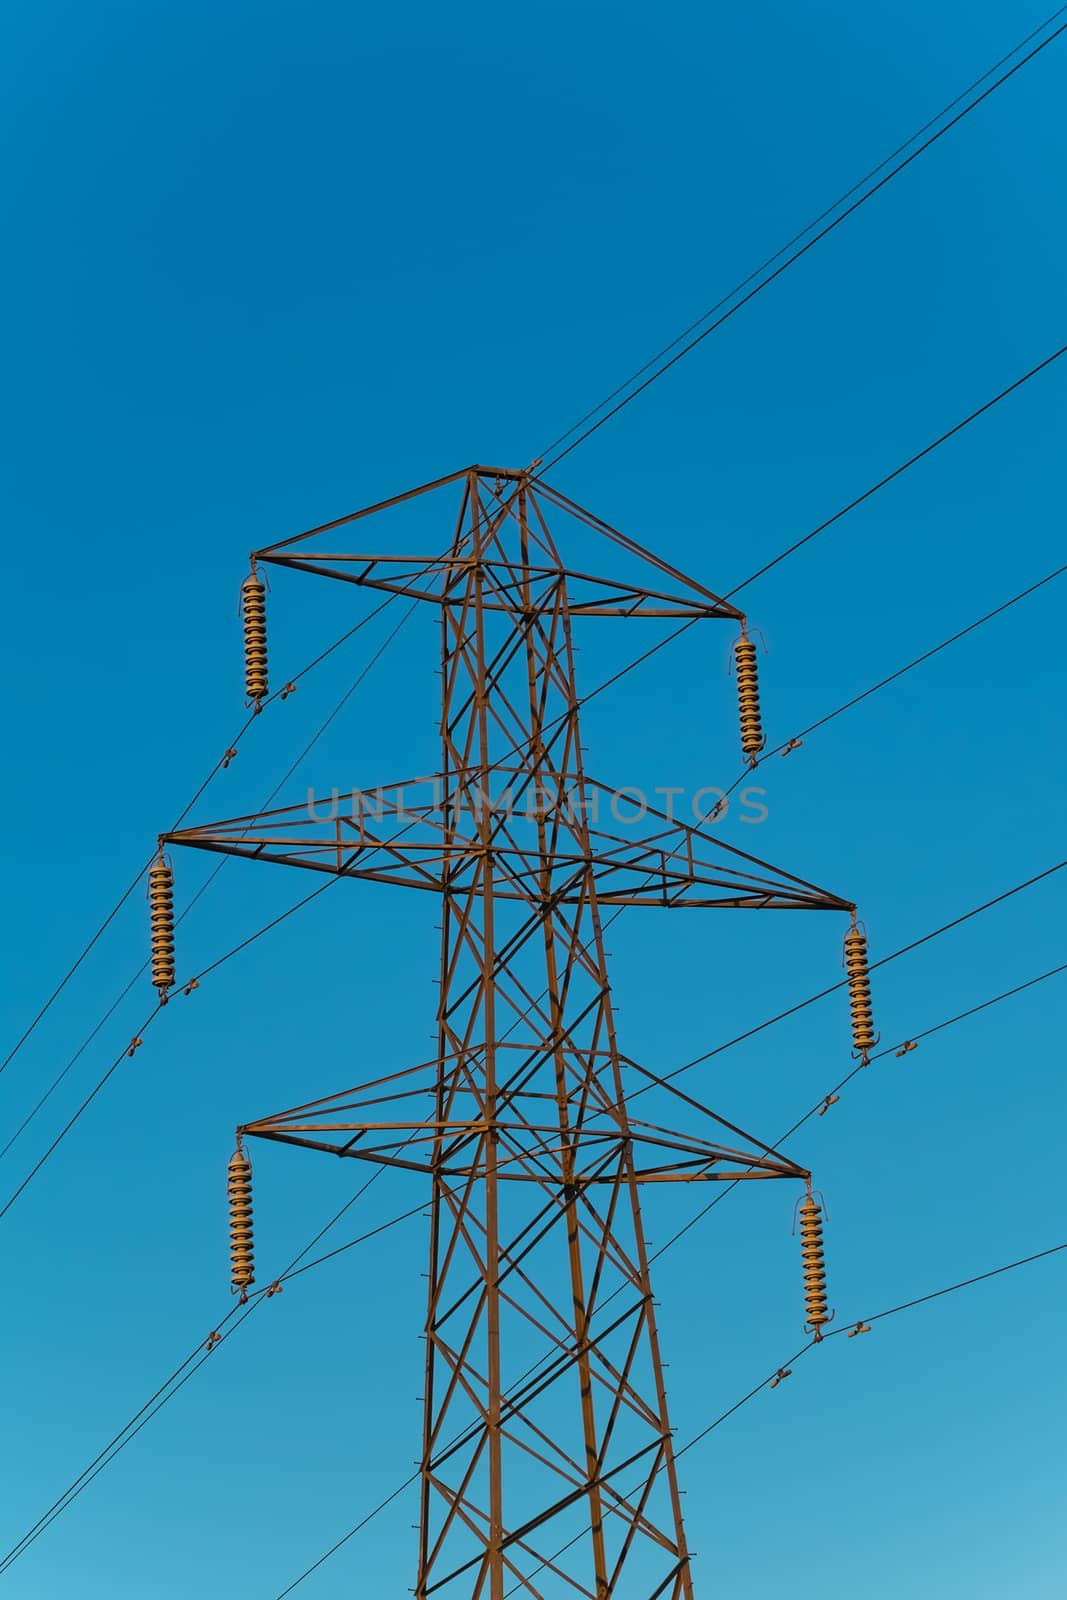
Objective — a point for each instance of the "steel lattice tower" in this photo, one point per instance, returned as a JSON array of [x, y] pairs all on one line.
[[547, 1465]]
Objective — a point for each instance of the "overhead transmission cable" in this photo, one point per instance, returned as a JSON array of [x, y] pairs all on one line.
[[784, 1370], [138, 1038], [594, 692], [867, 1321], [555, 726], [894, 955], [817, 1109], [718, 1049], [599, 689], [844, 511], [901, 1048], [814, 223], [196, 1357], [362, 623], [166, 1391], [748, 1033], [297, 1265], [188, 984], [802, 249], [220, 764], [811, 535], [372, 661], [771, 1380], [912, 461], [786, 746], [202, 1350], [918, 661]]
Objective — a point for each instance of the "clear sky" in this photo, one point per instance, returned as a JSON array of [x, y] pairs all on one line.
[[267, 263]]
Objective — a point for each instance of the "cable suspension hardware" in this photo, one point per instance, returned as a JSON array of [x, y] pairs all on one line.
[[254, 616], [161, 918], [239, 1194], [864, 1037], [814, 1265], [752, 737]]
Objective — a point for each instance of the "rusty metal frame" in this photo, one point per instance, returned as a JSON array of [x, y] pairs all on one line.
[[538, 1264]]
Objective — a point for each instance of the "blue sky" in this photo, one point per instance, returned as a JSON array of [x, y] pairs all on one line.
[[266, 264]]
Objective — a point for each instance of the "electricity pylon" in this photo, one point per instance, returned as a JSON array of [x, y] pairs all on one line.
[[547, 1464]]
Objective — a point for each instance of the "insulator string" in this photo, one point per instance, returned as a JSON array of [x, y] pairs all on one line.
[[858, 979], [752, 738], [254, 617], [813, 1264], [239, 1197], [161, 925]]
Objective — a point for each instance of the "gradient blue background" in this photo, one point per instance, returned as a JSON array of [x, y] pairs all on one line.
[[267, 263]]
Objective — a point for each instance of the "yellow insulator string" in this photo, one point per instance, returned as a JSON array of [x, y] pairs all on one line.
[[161, 918], [813, 1264], [752, 739], [864, 1037], [254, 615], [239, 1194]]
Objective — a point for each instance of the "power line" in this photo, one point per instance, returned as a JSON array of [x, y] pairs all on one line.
[[293, 1269], [117, 907], [307, 898], [298, 1265], [58, 1079], [781, 1370], [865, 694], [965, 1283], [830, 209], [663, 1080], [108, 1014], [237, 1314], [869, 1319], [803, 249], [781, 1016], [904, 467], [126, 1050], [218, 767], [833, 1093], [784, 1370], [62, 984], [599, 689], [61, 1075], [825, 1102], [349, 633], [955, 922], [137, 1040], [837, 517], [894, 955], [910, 666], [313, 895], [790, 744], [380, 1507]]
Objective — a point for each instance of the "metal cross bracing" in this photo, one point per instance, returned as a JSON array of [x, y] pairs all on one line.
[[545, 1420]]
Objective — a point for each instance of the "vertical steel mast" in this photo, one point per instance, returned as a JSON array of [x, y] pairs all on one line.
[[547, 1465]]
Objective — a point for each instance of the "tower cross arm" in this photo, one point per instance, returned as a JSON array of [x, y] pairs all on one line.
[[440, 580], [683, 863], [414, 835]]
